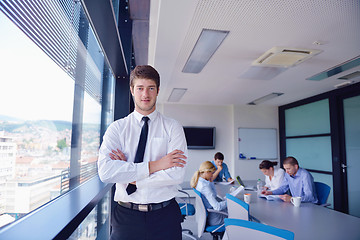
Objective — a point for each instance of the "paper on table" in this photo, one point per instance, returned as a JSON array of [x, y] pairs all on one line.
[[270, 197], [225, 183], [237, 191]]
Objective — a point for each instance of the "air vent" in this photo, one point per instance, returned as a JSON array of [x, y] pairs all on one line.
[[284, 57]]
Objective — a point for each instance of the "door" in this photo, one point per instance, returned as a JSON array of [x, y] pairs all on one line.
[[350, 164]]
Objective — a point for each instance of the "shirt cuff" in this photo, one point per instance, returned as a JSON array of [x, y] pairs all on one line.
[[142, 170], [275, 192]]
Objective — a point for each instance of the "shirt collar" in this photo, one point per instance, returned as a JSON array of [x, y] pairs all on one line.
[[139, 116], [204, 180], [297, 174]]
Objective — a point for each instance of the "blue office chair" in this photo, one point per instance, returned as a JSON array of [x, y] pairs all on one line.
[[322, 191], [201, 213], [238, 228], [187, 209], [237, 208]]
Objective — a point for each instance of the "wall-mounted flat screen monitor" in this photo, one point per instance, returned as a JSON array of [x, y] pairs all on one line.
[[200, 137]]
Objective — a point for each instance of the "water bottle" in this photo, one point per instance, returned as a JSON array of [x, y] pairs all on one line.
[[259, 185]]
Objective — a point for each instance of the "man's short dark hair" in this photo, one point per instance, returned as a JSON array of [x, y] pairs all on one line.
[[145, 72], [219, 156], [291, 160]]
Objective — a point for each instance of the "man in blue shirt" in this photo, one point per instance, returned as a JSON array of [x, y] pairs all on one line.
[[298, 180], [222, 171]]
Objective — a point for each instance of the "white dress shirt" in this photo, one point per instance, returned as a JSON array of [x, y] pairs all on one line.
[[276, 180], [164, 136]]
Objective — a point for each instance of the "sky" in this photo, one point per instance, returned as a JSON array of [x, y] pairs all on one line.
[[32, 86]]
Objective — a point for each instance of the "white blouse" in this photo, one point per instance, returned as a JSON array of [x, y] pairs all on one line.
[[276, 180]]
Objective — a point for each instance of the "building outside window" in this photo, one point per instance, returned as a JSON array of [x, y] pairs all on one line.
[[51, 103]]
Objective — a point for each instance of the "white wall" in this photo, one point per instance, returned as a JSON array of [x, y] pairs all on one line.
[[227, 120], [220, 117], [249, 116]]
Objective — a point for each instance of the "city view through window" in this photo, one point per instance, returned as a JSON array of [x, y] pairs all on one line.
[[36, 114]]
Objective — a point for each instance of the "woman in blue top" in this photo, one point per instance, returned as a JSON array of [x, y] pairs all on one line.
[[202, 181]]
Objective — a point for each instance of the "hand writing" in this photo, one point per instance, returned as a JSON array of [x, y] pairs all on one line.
[[265, 192]]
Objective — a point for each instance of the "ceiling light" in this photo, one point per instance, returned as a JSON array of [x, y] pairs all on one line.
[[337, 69], [344, 84], [206, 45], [284, 57], [265, 98], [177, 94], [350, 76]]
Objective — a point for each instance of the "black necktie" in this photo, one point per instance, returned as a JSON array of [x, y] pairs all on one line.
[[139, 157]]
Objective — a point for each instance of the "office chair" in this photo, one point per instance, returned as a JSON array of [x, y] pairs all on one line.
[[237, 208], [322, 191], [238, 228], [187, 209], [201, 213]]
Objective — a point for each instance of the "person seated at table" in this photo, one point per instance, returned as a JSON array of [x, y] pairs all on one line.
[[222, 170], [298, 180], [202, 181], [273, 176]]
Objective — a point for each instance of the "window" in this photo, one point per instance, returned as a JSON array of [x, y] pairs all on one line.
[[308, 139], [51, 102]]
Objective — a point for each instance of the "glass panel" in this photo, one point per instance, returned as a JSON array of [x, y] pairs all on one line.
[[352, 140], [38, 138], [312, 153], [87, 229], [327, 179], [35, 123], [90, 138], [95, 224], [312, 118]]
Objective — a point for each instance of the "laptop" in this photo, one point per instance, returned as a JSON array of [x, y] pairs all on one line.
[[247, 187]]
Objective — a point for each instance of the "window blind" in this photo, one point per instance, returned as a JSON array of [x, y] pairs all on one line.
[[54, 26]]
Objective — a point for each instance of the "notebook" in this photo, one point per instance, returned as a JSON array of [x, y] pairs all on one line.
[[247, 187], [270, 197]]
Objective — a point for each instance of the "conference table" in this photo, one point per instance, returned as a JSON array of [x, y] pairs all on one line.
[[309, 221]]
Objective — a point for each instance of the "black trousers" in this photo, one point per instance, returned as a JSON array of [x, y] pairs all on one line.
[[162, 224]]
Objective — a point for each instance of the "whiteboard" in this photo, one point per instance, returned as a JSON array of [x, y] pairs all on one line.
[[259, 143]]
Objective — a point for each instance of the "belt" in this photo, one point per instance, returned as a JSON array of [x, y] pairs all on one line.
[[145, 207]]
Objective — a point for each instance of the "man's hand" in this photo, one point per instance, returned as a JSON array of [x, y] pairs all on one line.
[[218, 165], [217, 172], [285, 198], [173, 159], [117, 155]]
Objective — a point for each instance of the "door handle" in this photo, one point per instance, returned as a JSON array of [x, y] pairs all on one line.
[[343, 166]]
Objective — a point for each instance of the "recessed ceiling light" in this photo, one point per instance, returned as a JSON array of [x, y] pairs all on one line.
[[354, 62], [265, 98], [206, 45], [177, 94]]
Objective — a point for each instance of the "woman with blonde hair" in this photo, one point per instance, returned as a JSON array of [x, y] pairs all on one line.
[[202, 181]]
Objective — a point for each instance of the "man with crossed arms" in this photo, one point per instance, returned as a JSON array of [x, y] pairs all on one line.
[[145, 190]]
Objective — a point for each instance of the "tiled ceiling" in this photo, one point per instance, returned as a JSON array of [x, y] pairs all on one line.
[[255, 27]]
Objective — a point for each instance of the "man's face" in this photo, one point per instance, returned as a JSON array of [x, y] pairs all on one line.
[[291, 169], [145, 94], [218, 162]]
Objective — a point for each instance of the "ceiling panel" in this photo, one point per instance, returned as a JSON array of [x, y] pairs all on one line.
[[255, 27]]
